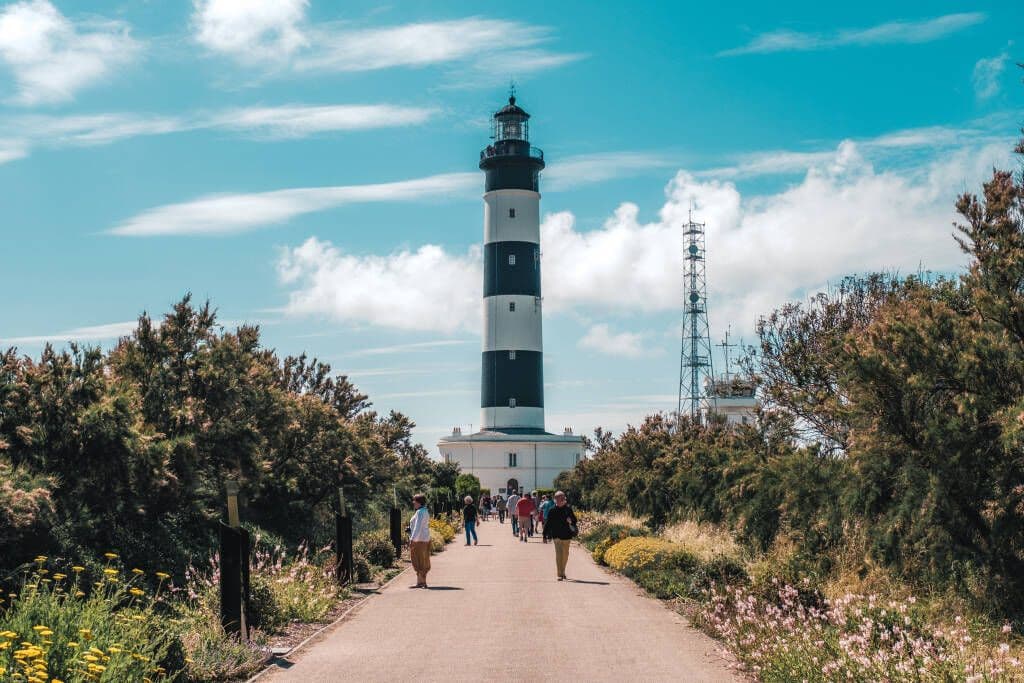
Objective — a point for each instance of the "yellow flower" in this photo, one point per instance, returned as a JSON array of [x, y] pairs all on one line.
[[137, 592], [79, 594], [4, 645], [163, 576], [60, 577], [138, 572], [86, 632], [91, 658], [110, 556], [72, 643], [46, 634], [40, 627], [113, 649], [78, 570], [110, 572]]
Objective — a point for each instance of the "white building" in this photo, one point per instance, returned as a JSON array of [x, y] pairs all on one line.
[[512, 449], [732, 397]]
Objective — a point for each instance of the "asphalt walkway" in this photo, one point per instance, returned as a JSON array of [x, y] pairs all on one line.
[[495, 612]]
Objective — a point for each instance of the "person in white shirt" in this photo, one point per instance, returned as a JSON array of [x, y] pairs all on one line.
[[513, 498], [419, 539]]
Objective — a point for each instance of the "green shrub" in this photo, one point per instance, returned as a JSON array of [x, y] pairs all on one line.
[[436, 541], [361, 568], [443, 527], [376, 547], [265, 611], [604, 531]]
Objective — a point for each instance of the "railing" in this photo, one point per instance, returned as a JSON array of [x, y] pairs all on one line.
[[504, 151]]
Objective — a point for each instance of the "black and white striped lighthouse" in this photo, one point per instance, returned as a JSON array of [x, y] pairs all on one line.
[[512, 387]]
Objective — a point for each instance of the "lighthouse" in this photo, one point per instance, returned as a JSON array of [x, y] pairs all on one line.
[[512, 450]]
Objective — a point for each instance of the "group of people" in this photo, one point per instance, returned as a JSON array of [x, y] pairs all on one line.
[[553, 518]]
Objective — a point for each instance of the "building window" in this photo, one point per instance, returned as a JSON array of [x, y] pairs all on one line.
[[511, 403], [511, 306], [577, 460], [511, 355], [511, 259], [512, 460], [511, 213]]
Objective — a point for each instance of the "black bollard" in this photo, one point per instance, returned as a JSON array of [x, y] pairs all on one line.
[[396, 531], [345, 569], [230, 579]]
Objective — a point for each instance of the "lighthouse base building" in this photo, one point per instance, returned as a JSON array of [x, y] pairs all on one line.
[[512, 451], [507, 461]]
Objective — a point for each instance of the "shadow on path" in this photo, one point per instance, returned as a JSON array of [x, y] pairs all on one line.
[[443, 588], [591, 583]]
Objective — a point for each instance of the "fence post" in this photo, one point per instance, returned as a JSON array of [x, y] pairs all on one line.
[[230, 579], [344, 570], [396, 531]]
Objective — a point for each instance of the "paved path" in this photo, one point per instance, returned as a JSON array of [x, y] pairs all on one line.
[[496, 612]]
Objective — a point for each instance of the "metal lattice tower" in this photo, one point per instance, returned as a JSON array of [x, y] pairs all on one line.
[[695, 356]]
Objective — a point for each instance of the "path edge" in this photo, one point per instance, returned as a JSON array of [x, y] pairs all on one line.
[[266, 669]]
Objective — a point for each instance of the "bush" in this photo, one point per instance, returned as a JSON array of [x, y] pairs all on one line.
[[376, 547], [443, 527], [604, 531], [436, 541], [362, 569], [265, 611], [634, 555], [75, 627]]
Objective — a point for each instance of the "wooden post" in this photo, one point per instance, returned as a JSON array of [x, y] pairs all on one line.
[[230, 579], [396, 531], [231, 486], [345, 571]]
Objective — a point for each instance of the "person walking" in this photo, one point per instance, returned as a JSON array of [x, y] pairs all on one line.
[[469, 519], [502, 507], [513, 500], [542, 515], [533, 515], [524, 511], [561, 526], [487, 506], [419, 539]]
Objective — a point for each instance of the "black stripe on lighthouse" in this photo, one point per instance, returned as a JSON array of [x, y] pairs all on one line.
[[511, 268], [520, 378]]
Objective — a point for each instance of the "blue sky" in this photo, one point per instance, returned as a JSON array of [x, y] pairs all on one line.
[[312, 168]]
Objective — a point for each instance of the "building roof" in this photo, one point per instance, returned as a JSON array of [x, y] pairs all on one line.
[[511, 108], [512, 434]]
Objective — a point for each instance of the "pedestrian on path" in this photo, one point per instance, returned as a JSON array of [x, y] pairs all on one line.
[[502, 507], [535, 499], [542, 515], [524, 510], [419, 539], [562, 527], [513, 500], [469, 519]]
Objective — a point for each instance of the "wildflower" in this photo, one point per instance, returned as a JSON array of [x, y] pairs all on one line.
[[1007, 628], [110, 556], [78, 570], [137, 592], [60, 577], [72, 643], [163, 576], [138, 572], [110, 572]]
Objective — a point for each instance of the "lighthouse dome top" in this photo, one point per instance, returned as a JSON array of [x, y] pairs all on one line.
[[511, 122]]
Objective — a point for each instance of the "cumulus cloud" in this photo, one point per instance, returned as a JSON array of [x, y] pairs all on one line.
[[425, 289], [253, 31], [278, 34], [843, 217], [987, 73], [600, 338], [888, 33], [52, 58]]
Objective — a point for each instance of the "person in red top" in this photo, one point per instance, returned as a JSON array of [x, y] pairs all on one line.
[[524, 511]]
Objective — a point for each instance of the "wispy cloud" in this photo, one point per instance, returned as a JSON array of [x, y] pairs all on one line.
[[415, 347], [223, 214], [290, 121], [53, 58], [90, 333], [278, 36], [889, 33], [987, 73]]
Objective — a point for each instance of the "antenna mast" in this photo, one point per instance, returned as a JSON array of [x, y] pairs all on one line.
[[695, 355]]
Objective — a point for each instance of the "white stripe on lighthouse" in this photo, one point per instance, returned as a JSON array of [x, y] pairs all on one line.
[[507, 330], [512, 216]]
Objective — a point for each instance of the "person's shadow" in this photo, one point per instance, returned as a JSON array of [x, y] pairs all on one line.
[[443, 588], [592, 583]]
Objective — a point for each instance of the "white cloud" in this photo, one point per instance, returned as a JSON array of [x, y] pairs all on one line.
[[278, 35], [222, 214], [19, 134], [987, 73], [893, 32], [234, 213], [426, 289], [843, 217], [600, 338], [52, 58], [415, 347], [251, 31], [79, 334]]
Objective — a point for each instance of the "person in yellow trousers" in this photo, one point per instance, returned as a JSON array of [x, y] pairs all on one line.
[[561, 526], [419, 539]]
